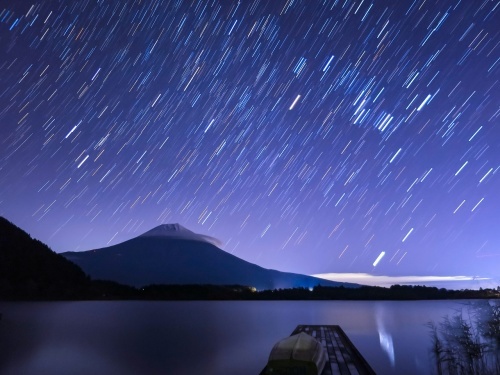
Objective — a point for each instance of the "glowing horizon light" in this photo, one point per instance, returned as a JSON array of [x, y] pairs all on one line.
[[378, 258], [429, 280]]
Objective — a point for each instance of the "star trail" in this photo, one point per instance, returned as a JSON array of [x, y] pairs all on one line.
[[308, 136]]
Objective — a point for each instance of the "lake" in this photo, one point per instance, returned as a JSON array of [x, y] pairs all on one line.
[[234, 337]]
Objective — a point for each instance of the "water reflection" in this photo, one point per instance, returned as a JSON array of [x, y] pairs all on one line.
[[202, 337], [385, 338]]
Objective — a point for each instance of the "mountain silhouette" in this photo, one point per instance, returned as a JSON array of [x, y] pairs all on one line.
[[29, 269], [172, 254]]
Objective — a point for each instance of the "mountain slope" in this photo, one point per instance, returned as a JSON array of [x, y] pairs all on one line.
[[171, 254], [29, 269]]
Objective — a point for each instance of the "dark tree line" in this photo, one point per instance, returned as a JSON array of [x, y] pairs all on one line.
[[110, 290]]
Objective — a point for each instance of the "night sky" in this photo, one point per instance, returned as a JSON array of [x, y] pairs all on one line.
[[308, 136]]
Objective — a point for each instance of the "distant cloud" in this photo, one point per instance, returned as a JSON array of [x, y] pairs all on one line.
[[212, 240], [450, 282]]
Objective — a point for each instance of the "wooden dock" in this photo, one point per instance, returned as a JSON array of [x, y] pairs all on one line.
[[343, 357]]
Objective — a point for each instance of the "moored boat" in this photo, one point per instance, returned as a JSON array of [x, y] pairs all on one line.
[[305, 350], [297, 354]]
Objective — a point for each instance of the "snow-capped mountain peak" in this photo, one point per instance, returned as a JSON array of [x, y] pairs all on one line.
[[178, 231]]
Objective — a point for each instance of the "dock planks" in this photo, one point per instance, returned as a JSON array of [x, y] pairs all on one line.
[[343, 357]]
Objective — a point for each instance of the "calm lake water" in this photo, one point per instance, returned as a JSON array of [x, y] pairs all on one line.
[[204, 337]]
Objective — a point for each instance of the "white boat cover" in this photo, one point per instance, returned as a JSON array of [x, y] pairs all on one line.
[[300, 350]]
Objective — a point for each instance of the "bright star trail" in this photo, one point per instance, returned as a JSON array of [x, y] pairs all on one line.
[[308, 136], [378, 259]]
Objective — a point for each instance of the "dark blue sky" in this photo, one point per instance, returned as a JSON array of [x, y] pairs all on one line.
[[308, 136]]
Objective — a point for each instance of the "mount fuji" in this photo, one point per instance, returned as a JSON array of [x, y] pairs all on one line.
[[171, 254]]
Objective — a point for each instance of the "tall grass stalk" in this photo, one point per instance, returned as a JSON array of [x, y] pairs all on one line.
[[468, 342]]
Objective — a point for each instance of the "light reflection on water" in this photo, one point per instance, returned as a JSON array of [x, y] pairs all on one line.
[[385, 338], [203, 337]]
